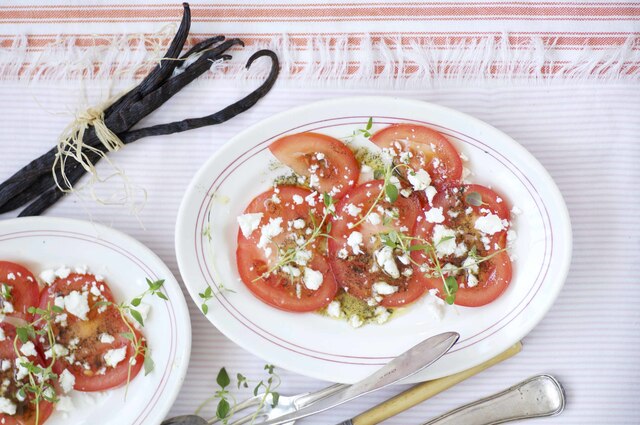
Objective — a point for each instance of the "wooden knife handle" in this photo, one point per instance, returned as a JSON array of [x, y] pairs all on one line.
[[420, 392]]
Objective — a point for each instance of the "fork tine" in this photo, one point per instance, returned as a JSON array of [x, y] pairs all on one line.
[[251, 401], [250, 418]]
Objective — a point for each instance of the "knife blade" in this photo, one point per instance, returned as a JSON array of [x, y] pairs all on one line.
[[407, 364]]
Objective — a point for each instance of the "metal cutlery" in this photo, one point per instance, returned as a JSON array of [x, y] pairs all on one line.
[[287, 411]]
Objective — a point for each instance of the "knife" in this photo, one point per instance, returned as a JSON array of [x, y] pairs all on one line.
[[407, 364]]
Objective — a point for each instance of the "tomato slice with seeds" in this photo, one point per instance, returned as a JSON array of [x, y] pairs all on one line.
[[289, 210], [461, 208], [313, 154], [358, 272], [428, 150], [89, 341], [25, 410], [20, 293]]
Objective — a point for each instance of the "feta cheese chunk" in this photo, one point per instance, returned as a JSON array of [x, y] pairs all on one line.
[[352, 210], [270, 230], [48, 276], [333, 309], [355, 241], [430, 192], [489, 224], [383, 288], [420, 180], [312, 279], [373, 218], [384, 258], [77, 304], [67, 381], [249, 222], [7, 407], [105, 338], [115, 356], [59, 350], [355, 321], [28, 349], [443, 245], [381, 315], [434, 215]]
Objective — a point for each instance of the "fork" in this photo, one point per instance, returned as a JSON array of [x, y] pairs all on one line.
[[286, 404]]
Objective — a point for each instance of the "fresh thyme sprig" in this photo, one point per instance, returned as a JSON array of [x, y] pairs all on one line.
[[227, 404], [208, 294]]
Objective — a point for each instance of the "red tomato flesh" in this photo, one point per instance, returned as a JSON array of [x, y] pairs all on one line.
[[428, 149], [82, 338], [23, 290], [357, 272], [494, 273], [25, 410], [334, 165], [279, 289]]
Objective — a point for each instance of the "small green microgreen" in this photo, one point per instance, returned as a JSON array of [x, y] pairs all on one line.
[[5, 291], [473, 198]]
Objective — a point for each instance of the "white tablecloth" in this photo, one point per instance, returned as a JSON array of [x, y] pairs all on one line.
[[585, 132]]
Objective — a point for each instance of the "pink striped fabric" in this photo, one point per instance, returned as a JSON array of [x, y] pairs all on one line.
[[559, 77]]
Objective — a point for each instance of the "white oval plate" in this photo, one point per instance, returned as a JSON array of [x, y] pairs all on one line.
[[332, 350], [41, 243]]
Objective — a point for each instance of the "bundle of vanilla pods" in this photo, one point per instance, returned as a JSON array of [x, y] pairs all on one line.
[[37, 185]]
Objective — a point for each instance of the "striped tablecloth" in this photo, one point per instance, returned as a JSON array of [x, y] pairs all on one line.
[[559, 77]]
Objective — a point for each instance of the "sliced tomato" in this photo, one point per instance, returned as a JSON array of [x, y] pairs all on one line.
[[22, 290], [427, 149], [494, 265], [309, 154], [26, 409], [86, 357], [357, 272], [464, 205], [290, 207]]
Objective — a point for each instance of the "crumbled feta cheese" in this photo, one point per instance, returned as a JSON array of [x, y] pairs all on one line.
[[511, 235], [404, 259], [470, 264], [343, 254], [384, 258], [312, 279], [11, 276], [290, 270], [383, 288], [434, 304], [249, 222], [297, 199], [406, 192], [48, 276], [67, 381], [420, 180], [64, 404], [302, 257], [5, 365], [298, 224], [105, 338], [352, 210], [270, 230], [115, 356], [472, 280], [373, 218], [355, 321], [314, 181], [28, 349], [430, 192], [311, 199], [21, 371], [59, 350], [489, 224], [7, 406], [355, 241], [382, 315], [63, 272], [320, 156], [81, 269], [7, 307], [333, 309], [434, 215], [2, 335], [461, 249], [77, 304], [443, 245]]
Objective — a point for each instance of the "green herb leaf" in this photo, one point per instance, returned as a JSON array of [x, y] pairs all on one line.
[[127, 335], [162, 296], [137, 316], [391, 191], [223, 378], [57, 309], [222, 411], [255, 390], [450, 287], [148, 362], [242, 381], [473, 198], [205, 308], [329, 227], [275, 398], [369, 124], [419, 247], [23, 334], [136, 302]]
